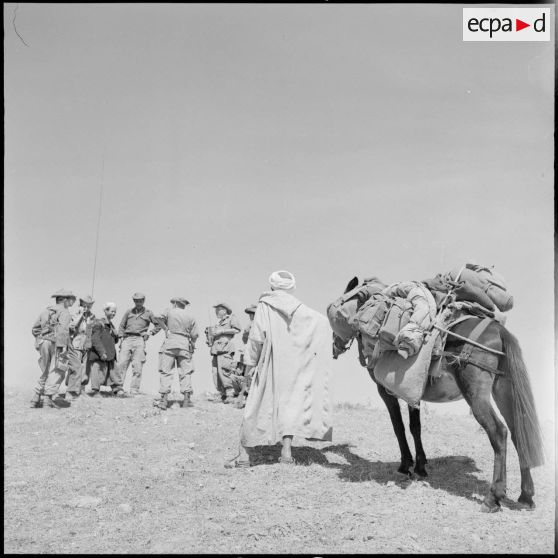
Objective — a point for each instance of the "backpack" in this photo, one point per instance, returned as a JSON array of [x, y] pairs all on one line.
[[340, 312], [370, 317], [397, 317]]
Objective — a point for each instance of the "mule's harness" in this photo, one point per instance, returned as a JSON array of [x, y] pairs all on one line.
[[463, 359]]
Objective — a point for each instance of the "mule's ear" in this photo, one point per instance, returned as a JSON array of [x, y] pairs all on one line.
[[352, 284]]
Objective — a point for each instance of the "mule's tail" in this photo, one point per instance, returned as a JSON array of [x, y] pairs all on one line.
[[527, 429]]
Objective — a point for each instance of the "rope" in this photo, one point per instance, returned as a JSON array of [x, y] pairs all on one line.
[[467, 340]]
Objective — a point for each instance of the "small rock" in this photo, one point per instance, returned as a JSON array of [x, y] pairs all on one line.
[[125, 508], [191, 445], [87, 502], [367, 538], [19, 483]]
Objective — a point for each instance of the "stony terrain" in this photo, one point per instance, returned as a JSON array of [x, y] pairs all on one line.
[[114, 475]]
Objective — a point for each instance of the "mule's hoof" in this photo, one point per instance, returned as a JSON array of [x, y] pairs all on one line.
[[526, 503], [488, 509], [421, 473]]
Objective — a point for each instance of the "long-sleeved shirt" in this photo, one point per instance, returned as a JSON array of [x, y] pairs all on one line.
[[224, 341], [137, 322], [53, 324], [182, 331]]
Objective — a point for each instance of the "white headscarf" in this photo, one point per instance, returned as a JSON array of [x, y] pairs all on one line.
[[108, 305], [282, 280]]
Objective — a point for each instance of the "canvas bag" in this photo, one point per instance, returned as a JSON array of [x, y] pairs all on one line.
[[370, 318], [339, 313], [397, 317], [483, 285]]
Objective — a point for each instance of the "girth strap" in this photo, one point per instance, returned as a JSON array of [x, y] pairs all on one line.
[[464, 357]]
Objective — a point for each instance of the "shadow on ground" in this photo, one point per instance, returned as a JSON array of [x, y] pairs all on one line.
[[455, 474]]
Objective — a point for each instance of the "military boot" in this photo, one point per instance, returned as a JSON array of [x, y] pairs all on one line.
[[187, 401], [36, 401], [49, 402], [162, 402], [229, 396]]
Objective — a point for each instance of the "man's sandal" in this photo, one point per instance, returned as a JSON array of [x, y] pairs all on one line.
[[237, 464], [285, 461]]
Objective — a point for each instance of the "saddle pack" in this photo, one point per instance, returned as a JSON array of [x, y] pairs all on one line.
[[341, 311], [474, 283]]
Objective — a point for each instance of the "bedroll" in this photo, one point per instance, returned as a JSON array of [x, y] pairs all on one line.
[[483, 285]]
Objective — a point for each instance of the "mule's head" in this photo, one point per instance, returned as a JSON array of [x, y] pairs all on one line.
[[342, 333]]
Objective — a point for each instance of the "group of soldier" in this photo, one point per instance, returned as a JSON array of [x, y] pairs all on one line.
[[81, 348]]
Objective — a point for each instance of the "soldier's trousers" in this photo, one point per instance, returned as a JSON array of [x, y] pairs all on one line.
[[78, 372], [100, 375], [221, 372], [183, 362], [132, 350], [46, 356], [56, 376]]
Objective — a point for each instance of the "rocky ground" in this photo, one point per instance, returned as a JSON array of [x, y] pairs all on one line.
[[114, 475]]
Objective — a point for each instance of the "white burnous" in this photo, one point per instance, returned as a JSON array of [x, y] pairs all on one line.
[[290, 347]]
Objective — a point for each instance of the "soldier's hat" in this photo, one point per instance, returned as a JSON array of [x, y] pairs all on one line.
[[180, 300], [250, 309], [87, 299], [138, 296], [63, 292], [225, 306]]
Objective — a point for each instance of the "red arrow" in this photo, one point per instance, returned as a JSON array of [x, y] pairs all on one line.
[[519, 25]]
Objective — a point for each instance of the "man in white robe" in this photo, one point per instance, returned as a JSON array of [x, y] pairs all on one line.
[[290, 348]]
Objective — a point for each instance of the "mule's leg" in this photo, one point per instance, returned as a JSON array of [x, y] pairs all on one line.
[[476, 385], [414, 425], [392, 404], [503, 396]]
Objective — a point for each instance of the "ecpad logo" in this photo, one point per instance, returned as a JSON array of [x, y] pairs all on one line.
[[506, 24]]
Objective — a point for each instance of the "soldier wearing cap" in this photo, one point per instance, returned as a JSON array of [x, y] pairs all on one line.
[[52, 339], [133, 334], [80, 330], [177, 350], [222, 350]]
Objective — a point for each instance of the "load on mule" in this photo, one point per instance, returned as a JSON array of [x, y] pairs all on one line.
[[466, 352]]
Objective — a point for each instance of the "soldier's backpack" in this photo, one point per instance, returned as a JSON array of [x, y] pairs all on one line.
[[397, 317], [341, 311]]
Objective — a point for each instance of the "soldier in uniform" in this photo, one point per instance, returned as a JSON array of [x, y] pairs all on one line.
[[80, 329], [52, 338], [133, 335], [102, 355], [177, 350], [222, 350]]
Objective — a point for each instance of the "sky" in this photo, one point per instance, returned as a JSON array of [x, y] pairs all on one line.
[[223, 142]]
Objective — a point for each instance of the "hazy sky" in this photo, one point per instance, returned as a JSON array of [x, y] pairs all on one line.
[[329, 140]]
